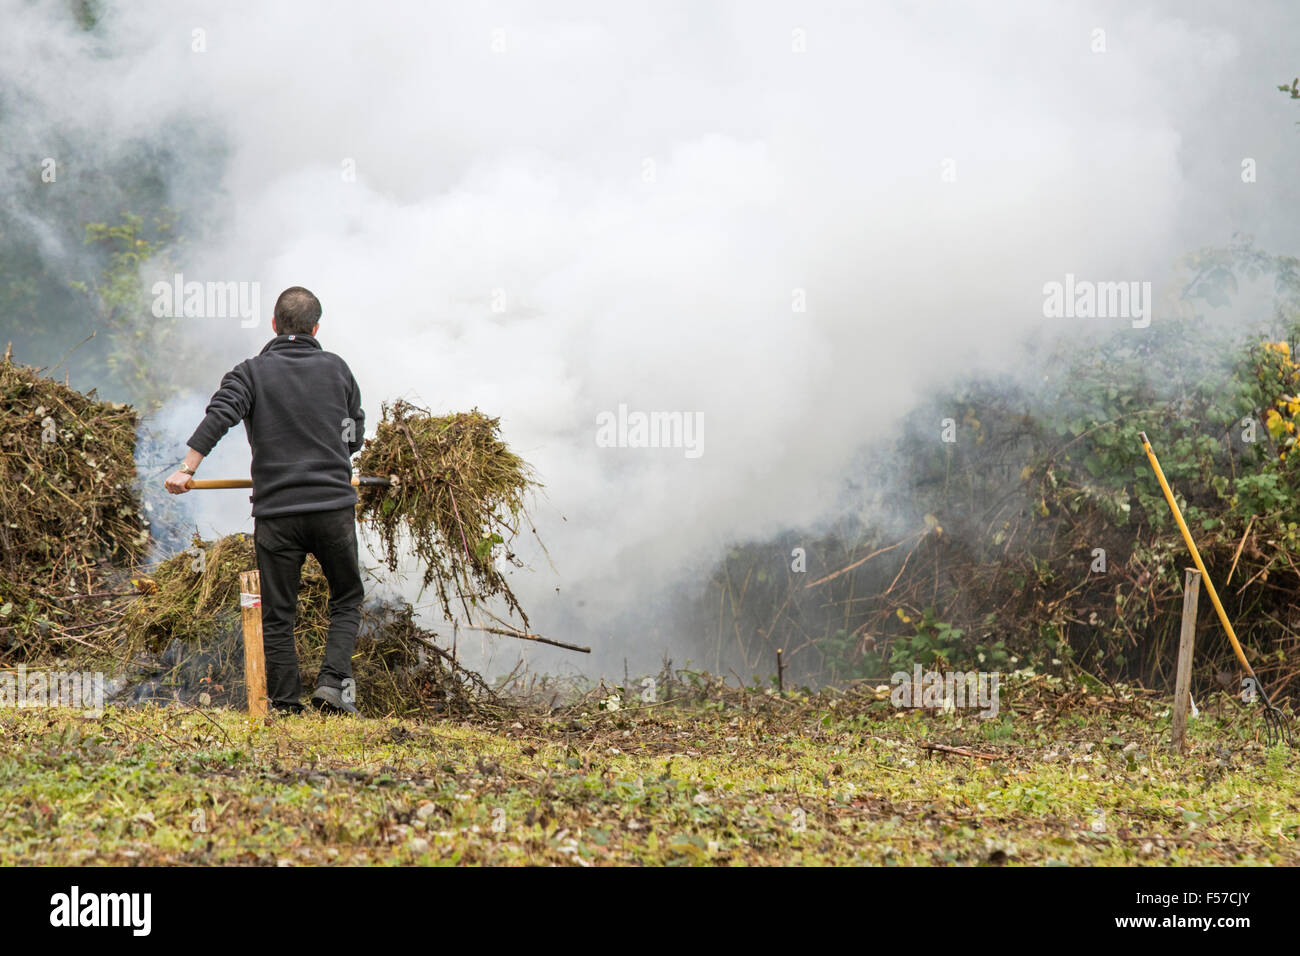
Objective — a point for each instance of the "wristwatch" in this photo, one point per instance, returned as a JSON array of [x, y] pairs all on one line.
[[187, 470]]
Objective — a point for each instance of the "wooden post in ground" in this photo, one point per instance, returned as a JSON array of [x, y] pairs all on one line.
[[250, 603], [1186, 646]]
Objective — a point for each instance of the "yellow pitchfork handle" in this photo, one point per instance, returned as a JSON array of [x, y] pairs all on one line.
[[1196, 556]]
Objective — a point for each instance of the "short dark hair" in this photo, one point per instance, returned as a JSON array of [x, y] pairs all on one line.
[[296, 311]]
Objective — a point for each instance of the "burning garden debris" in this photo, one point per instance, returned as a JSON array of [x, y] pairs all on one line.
[[191, 616]]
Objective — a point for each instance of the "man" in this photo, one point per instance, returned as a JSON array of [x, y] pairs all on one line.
[[301, 408]]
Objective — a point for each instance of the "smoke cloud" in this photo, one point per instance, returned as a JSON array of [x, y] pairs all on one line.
[[791, 221]]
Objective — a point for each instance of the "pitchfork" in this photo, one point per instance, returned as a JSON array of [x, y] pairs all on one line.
[[1277, 725]]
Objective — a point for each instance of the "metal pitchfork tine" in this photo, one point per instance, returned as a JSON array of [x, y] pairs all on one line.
[[1277, 723]]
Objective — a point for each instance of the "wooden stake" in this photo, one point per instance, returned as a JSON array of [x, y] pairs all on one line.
[[250, 603], [1186, 646], [780, 673]]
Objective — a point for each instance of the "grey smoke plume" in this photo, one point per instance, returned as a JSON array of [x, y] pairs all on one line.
[[791, 219]]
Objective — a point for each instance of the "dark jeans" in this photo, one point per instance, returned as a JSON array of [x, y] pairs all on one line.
[[283, 543]]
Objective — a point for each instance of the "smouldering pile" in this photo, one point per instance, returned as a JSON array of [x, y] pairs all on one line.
[[192, 606], [457, 500], [67, 503]]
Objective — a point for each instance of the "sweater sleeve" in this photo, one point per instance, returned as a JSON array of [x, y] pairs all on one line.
[[357, 414], [230, 405]]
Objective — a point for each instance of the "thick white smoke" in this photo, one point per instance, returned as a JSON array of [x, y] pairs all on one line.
[[559, 208]]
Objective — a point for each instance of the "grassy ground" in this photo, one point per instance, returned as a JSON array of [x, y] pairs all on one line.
[[725, 777]]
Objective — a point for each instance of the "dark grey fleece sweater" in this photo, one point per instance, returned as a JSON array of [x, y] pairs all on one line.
[[302, 410]]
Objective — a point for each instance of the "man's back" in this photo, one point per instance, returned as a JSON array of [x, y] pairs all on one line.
[[302, 409]]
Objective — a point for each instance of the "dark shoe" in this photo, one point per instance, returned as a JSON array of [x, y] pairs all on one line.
[[330, 700], [281, 711]]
